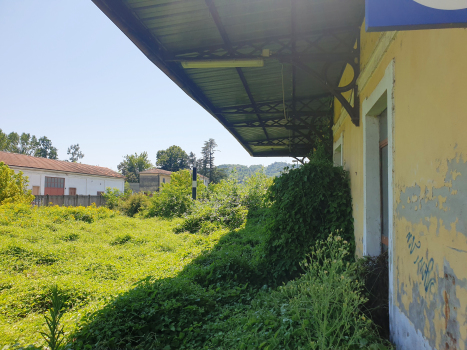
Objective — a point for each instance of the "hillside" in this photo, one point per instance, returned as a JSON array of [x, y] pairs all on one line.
[[243, 171]]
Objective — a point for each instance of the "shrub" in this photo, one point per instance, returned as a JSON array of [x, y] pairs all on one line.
[[374, 272], [134, 204], [320, 310], [228, 203], [13, 187], [174, 199], [308, 203], [112, 197]]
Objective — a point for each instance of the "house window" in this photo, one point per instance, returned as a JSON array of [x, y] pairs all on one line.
[[337, 152], [36, 190], [54, 186], [72, 191], [163, 179], [100, 193]]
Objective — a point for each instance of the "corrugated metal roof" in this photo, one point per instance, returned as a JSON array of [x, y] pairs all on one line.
[[25, 161], [319, 34]]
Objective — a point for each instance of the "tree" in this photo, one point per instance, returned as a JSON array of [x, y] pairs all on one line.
[[207, 160], [172, 159], [219, 174], [132, 165], [28, 144], [75, 153], [192, 160], [3, 141], [13, 187], [45, 149], [13, 142]]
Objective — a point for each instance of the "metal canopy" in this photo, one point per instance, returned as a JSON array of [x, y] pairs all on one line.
[[284, 108]]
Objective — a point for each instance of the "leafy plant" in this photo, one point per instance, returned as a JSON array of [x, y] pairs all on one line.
[[174, 199], [320, 310], [374, 272], [135, 203], [308, 203], [227, 204], [54, 335], [112, 196], [13, 187]]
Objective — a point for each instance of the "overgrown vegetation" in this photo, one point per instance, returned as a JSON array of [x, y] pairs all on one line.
[[248, 266], [13, 187], [92, 254], [308, 204]]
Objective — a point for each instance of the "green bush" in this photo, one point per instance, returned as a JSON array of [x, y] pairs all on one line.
[[228, 203], [308, 203], [112, 197], [320, 310], [174, 199], [13, 187], [134, 204]]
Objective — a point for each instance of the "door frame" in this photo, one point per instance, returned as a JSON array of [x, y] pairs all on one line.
[[380, 99]]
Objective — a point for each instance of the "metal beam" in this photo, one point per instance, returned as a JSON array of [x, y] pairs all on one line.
[[317, 57], [121, 16], [263, 43], [303, 104], [277, 122], [225, 38], [335, 90]]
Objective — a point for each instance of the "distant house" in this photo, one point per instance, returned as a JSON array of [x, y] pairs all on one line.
[[57, 177], [151, 180], [204, 179]]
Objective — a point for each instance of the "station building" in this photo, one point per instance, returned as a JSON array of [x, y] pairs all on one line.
[[284, 76]]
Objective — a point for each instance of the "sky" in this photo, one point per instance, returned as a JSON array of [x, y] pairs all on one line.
[[67, 72]]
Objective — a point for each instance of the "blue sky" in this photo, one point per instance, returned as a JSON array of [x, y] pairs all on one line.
[[67, 72]]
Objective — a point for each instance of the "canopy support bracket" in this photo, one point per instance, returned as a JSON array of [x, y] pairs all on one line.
[[336, 91]]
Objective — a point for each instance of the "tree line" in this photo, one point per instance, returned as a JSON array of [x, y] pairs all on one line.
[[173, 159], [38, 147]]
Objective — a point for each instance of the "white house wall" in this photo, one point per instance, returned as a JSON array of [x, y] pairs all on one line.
[[84, 184]]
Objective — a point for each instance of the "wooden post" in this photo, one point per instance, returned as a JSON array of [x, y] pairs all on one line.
[[193, 189]]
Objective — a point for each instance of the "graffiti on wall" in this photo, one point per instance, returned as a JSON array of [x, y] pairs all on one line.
[[424, 266]]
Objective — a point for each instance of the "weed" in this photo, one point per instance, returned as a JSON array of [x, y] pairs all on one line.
[[121, 239], [54, 335]]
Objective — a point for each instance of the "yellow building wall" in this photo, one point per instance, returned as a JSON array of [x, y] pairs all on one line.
[[430, 177]]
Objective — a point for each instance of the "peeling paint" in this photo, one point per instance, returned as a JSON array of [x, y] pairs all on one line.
[[442, 203], [436, 213]]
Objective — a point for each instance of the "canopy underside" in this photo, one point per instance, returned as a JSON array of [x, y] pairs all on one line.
[[284, 108]]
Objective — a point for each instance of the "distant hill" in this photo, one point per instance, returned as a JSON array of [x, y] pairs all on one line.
[[243, 171]]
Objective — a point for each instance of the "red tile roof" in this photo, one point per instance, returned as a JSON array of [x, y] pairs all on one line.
[[156, 171], [24, 161]]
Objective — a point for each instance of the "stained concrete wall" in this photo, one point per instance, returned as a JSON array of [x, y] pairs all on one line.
[[429, 238], [134, 187], [149, 182], [73, 201]]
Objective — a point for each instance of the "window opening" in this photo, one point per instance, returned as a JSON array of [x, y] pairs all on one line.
[[54, 186]]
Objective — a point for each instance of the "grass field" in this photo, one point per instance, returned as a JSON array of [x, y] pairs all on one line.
[[91, 254]]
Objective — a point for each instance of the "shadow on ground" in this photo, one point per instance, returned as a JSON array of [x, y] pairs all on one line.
[[176, 312]]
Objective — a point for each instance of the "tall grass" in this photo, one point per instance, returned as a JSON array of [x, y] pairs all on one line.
[[92, 254]]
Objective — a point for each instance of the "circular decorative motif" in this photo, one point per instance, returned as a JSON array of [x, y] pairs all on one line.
[[444, 4]]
